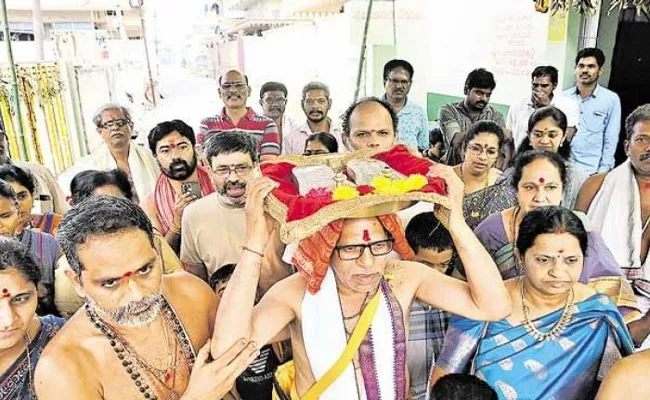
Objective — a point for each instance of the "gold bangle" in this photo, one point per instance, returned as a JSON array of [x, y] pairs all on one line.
[[253, 251]]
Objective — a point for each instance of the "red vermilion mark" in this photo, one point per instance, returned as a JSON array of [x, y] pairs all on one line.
[[366, 235], [561, 251], [542, 180], [5, 293], [560, 231], [128, 275]]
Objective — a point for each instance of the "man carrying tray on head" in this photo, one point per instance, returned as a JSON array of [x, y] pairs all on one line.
[[347, 307]]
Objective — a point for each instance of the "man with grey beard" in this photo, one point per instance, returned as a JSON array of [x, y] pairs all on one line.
[[138, 334]]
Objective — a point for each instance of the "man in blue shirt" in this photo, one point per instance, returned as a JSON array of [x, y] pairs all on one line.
[[594, 144], [412, 129]]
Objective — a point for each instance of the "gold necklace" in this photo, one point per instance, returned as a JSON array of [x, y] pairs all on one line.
[[560, 325], [475, 213]]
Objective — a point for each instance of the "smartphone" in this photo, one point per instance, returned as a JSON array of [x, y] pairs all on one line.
[[192, 187]]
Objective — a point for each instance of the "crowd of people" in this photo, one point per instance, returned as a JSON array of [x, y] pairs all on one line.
[[360, 257]]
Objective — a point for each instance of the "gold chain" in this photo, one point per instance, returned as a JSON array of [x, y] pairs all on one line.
[[559, 327]]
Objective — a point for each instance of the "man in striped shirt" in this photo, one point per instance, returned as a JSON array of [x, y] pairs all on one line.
[[236, 116]]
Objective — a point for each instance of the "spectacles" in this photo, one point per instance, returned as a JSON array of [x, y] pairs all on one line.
[[119, 123], [355, 251], [271, 101], [240, 170], [396, 82], [233, 85], [477, 150]]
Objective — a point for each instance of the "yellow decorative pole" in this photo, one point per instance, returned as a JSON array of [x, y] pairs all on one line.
[[18, 122]]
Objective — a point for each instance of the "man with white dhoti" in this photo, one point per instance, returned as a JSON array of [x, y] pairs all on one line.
[[347, 307], [118, 151], [618, 203]]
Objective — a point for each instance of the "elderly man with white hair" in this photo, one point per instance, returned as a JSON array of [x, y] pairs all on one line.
[[114, 124]]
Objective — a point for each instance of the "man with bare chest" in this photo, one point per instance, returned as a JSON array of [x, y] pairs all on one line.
[[138, 333], [618, 202], [347, 308]]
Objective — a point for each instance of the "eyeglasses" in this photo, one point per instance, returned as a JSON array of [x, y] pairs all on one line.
[[477, 150], [276, 101], [355, 251], [233, 85], [240, 170], [119, 123], [396, 82]]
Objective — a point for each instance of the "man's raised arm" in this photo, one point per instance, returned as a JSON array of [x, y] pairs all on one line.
[[483, 296], [236, 318]]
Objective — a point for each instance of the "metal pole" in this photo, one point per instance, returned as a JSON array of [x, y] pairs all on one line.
[[146, 51], [18, 118], [362, 57], [37, 19], [394, 26]]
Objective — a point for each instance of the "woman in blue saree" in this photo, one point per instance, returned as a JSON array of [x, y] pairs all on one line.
[[562, 336], [23, 334]]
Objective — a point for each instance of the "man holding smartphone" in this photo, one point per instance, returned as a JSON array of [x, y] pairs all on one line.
[[181, 182]]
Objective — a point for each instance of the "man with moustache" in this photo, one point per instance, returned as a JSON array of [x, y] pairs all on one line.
[[413, 128], [594, 145], [236, 116], [316, 103], [456, 119], [618, 205], [172, 143], [138, 334], [273, 99], [114, 124], [213, 228]]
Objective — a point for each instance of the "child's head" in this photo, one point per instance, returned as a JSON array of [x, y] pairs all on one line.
[[462, 387], [436, 144], [220, 278], [430, 241]]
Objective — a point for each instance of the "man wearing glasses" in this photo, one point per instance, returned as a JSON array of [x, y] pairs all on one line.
[[413, 126], [115, 125], [316, 103], [213, 228], [236, 116], [273, 99]]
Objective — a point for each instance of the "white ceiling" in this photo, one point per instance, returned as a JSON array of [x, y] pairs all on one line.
[[67, 5]]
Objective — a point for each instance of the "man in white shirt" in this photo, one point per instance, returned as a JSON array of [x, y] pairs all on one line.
[[544, 82]]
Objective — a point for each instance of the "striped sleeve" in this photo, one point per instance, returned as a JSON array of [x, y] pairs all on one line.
[[270, 144]]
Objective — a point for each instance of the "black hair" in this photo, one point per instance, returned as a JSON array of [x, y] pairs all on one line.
[[541, 114], [230, 142], [98, 216], [394, 64], [425, 231], [85, 183], [315, 86], [484, 126], [327, 139], [480, 78], [13, 173], [222, 274], [641, 113], [272, 87], [550, 219], [234, 70], [591, 52], [462, 387], [7, 191], [13, 254], [163, 129], [528, 157], [353, 106], [545, 70], [435, 136]]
